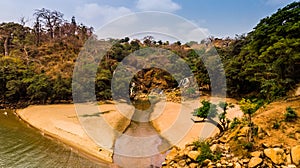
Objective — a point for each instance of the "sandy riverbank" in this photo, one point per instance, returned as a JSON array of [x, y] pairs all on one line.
[[174, 122], [62, 123]]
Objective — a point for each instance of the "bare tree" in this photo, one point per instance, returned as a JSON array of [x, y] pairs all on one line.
[[51, 19], [6, 34]]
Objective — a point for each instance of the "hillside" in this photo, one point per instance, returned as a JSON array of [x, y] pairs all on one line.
[[36, 64], [276, 142]]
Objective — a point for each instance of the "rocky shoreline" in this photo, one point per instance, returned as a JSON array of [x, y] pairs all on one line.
[[225, 154]]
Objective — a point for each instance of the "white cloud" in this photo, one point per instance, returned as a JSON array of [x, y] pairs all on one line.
[[97, 15], [162, 26], [157, 5]]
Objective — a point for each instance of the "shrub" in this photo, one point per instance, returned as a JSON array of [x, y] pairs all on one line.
[[247, 145], [234, 123], [276, 125], [290, 114], [205, 152]]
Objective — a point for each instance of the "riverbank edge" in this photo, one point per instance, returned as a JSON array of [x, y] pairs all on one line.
[[81, 150]]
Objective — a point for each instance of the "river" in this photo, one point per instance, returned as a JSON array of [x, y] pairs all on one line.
[[141, 145], [24, 147]]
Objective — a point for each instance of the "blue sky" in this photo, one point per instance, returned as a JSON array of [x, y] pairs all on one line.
[[219, 18]]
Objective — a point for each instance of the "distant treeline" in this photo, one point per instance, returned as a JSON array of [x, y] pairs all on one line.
[[36, 64]]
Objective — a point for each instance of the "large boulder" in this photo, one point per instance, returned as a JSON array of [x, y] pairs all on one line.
[[254, 162], [295, 152], [276, 155]]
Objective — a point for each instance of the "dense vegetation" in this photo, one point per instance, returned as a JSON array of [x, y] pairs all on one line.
[[266, 61], [36, 64]]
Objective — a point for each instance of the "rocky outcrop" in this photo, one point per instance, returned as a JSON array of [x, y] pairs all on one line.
[[222, 148]]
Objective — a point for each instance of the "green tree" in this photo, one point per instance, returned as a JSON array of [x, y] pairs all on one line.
[[248, 109], [265, 61], [39, 88], [61, 89], [208, 110], [222, 116]]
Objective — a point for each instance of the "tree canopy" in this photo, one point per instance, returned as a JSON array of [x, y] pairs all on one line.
[[37, 62]]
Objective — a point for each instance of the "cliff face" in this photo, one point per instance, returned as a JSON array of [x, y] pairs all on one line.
[[275, 142]]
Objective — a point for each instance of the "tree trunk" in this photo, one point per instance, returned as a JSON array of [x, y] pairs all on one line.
[[250, 130], [26, 55], [6, 50], [217, 124]]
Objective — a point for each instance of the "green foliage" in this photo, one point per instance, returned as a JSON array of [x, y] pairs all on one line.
[[276, 125], [290, 114], [247, 106], [38, 88], [247, 145], [190, 91], [61, 89], [234, 123], [266, 61], [208, 110], [222, 116], [36, 64], [205, 152]]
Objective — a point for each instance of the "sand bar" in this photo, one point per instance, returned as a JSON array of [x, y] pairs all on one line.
[[61, 122]]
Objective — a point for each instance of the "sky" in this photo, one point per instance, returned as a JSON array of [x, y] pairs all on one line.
[[218, 18]]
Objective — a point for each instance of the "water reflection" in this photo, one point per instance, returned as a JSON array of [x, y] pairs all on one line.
[[21, 146]]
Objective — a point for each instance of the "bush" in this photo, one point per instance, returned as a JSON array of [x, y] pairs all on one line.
[[234, 123], [247, 145], [276, 125], [290, 114], [206, 153]]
